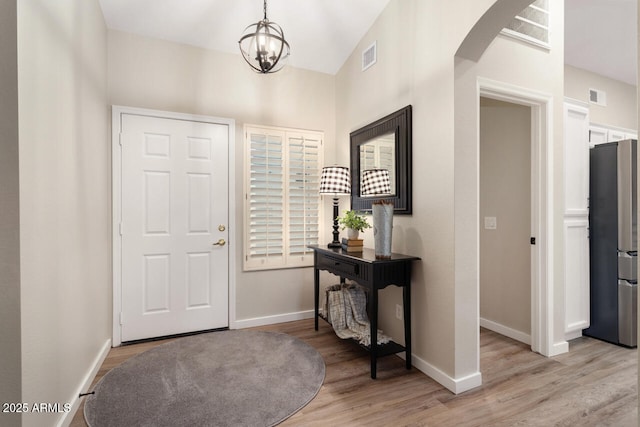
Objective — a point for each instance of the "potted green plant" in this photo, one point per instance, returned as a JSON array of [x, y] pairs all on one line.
[[354, 223]]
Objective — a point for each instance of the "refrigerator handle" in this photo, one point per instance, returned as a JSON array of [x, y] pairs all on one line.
[[627, 206]]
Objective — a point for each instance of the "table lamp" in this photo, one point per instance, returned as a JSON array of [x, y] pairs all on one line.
[[335, 180]]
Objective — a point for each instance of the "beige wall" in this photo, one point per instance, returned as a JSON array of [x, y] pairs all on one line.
[[159, 75], [505, 194], [538, 71], [417, 42], [414, 66], [64, 198], [10, 353], [621, 110]]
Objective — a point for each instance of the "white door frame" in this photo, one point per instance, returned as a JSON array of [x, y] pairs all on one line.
[[116, 191], [542, 194]]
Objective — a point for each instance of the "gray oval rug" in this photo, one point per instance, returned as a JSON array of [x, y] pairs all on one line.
[[229, 378]]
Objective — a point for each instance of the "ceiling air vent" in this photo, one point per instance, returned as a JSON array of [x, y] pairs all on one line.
[[369, 56], [598, 97]]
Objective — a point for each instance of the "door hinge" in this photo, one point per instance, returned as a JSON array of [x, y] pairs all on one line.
[[121, 318], [120, 139], [533, 240], [120, 228]]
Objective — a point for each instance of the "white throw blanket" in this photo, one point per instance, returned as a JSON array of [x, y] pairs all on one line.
[[347, 311]]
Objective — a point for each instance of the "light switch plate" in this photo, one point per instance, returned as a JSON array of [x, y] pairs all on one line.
[[490, 223]]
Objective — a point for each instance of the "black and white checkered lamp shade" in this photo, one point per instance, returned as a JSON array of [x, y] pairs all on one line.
[[335, 180], [375, 182]]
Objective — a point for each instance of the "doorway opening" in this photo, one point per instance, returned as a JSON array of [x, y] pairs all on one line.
[[469, 87], [505, 218], [542, 295]]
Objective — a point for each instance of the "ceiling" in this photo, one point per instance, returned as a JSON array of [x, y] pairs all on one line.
[[600, 35], [322, 33]]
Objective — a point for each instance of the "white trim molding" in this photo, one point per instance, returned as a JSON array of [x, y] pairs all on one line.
[[272, 320], [454, 385], [506, 331], [75, 400]]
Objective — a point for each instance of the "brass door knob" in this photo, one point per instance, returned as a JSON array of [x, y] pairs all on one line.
[[220, 242]]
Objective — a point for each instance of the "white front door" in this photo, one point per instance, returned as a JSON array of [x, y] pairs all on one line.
[[174, 226]]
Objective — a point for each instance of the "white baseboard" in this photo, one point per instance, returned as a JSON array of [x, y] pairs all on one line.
[[454, 385], [506, 331], [559, 348], [270, 320], [67, 417], [572, 335]]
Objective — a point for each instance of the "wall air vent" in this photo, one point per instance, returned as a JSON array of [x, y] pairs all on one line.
[[369, 56], [598, 97]]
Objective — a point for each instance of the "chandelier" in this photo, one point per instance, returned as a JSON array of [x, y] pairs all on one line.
[[263, 45]]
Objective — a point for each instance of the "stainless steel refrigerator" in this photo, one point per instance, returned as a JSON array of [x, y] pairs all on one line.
[[613, 242]]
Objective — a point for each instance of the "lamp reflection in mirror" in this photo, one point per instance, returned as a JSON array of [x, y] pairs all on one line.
[[375, 182], [336, 181]]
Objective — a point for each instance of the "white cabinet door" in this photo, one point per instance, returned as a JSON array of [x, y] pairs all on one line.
[[576, 272], [576, 159], [577, 138], [175, 202]]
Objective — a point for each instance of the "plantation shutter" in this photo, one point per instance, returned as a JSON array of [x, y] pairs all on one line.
[[532, 24], [266, 197], [367, 158], [282, 203], [304, 198]]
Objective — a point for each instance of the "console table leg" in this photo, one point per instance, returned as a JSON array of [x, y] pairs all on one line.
[[406, 304], [316, 288], [373, 323]]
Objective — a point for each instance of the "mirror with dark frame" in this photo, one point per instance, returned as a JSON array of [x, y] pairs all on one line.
[[383, 144]]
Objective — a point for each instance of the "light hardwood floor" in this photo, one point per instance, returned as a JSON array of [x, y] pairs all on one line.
[[595, 384]]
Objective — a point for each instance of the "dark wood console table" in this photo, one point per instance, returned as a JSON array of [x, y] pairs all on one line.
[[373, 274]]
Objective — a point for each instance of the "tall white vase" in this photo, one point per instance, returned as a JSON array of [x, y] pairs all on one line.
[[382, 228]]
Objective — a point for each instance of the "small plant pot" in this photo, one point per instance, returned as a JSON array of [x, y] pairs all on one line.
[[352, 234]]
